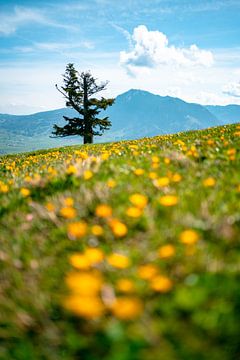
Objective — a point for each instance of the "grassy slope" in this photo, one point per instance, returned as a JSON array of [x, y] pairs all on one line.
[[198, 318]]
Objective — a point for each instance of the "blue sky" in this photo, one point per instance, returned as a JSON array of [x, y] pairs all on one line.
[[184, 48]]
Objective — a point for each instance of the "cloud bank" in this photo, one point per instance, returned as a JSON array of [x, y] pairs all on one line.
[[150, 49], [232, 89]]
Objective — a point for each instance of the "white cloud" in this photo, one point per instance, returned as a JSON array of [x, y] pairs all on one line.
[[10, 22], [232, 89], [151, 49]]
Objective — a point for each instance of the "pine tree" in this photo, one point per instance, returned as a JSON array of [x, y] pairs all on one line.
[[78, 90]]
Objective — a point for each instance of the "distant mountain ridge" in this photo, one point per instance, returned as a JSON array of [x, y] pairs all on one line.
[[135, 113]]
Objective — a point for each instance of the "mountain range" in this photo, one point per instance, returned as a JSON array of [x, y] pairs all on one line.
[[135, 114]]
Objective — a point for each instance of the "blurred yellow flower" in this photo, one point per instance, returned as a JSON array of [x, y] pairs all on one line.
[[4, 188], [161, 182], [68, 201], [147, 271], [77, 229], [209, 182], [68, 212], [167, 161], [168, 200], [176, 177], [161, 284], [166, 251], [118, 228], [79, 261], [134, 212], [94, 256], [138, 172], [103, 211], [97, 230], [84, 283], [111, 183], [125, 285], [87, 174], [152, 175], [118, 261], [189, 237], [25, 192], [71, 170], [88, 307], [139, 200], [50, 207], [127, 308], [155, 159]]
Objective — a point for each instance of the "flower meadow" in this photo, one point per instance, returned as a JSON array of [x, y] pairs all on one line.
[[122, 251]]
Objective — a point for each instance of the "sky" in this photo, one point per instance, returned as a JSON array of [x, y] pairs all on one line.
[[183, 48]]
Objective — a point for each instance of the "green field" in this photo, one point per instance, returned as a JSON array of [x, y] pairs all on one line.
[[122, 251]]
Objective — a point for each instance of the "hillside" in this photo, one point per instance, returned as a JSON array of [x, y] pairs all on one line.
[[135, 114], [122, 251]]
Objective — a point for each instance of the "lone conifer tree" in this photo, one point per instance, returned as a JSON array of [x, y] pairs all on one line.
[[78, 90]]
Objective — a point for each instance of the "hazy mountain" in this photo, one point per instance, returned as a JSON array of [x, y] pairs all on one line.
[[227, 114], [135, 113]]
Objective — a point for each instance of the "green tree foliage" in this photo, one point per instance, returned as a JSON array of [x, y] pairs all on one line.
[[79, 91]]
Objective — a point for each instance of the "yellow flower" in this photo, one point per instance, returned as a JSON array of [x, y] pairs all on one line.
[[161, 284], [139, 200], [68, 212], [168, 200], [209, 182], [127, 308], [103, 210], [176, 177], [118, 228], [94, 256], [4, 188], [88, 174], [84, 283], [138, 172], [125, 285], [167, 161], [161, 182], [97, 230], [105, 156], [88, 307], [134, 212], [155, 159], [166, 251], [152, 175], [147, 271], [79, 261], [68, 201], [25, 192], [77, 229], [111, 183], [50, 207], [71, 170], [189, 237], [118, 260]]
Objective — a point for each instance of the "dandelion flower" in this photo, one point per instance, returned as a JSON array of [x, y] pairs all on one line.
[[88, 307], [139, 200], [168, 200], [103, 211], [166, 251], [189, 237], [77, 229], [161, 284], [118, 261], [127, 308]]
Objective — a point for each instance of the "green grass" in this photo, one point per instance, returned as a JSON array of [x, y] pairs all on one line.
[[196, 317]]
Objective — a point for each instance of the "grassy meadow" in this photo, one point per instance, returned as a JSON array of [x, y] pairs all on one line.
[[122, 251]]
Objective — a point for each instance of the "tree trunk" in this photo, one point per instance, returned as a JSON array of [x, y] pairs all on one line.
[[88, 137]]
